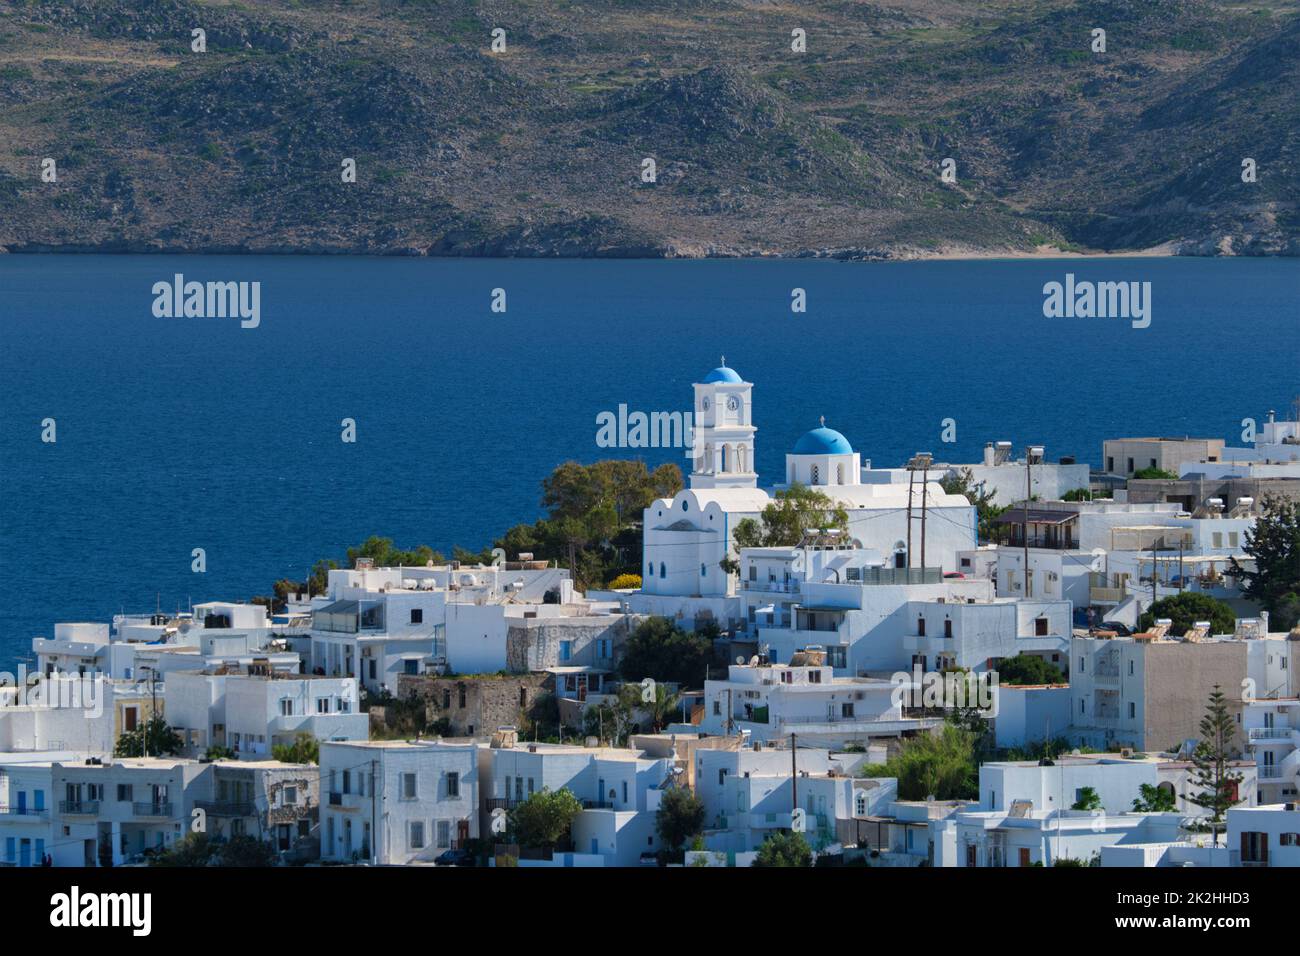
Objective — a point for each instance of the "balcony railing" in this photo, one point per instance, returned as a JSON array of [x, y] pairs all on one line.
[[40, 813], [1270, 733], [152, 809], [1270, 772], [775, 587], [79, 807]]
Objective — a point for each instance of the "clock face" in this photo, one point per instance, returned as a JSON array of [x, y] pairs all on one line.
[[733, 403]]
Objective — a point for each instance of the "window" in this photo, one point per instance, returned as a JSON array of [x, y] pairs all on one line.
[[94, 791], [453, 785], [1218, 539], [625, 791], [416, 840], [753, 572], [717, 708], [1110, 463], [860, 803], [814, 677], [1040, 627], [408, 786], [837, 656], [663, 570], [815, 474], [417, 615], [286, 707], [703, 571], [289, 796], [1024, 856], [1232, 539], [947, 627], [462, 695], [446, 698], [722, 777], [920, 626], [347, 781], [566, 650], [124, 794], [846, 710], [322, 705], [1082, 661], [839, 474], [1132, 710], [444, 834], [1081, 706]]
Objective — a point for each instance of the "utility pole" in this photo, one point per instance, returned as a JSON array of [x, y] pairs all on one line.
[[921, 460], [1031, 453], [925, 493], [794, 775], [1154, 572], [911, 477]]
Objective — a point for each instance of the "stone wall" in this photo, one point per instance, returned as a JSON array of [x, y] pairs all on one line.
[[475, 706]]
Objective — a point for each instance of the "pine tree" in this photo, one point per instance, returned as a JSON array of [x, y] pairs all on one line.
[[1217, 784], [1274, 543]]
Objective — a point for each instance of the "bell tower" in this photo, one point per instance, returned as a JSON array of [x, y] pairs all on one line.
[[723, 439]]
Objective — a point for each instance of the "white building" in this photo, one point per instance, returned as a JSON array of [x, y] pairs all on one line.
[[751, 793], [120, 806], [620, 790], [251, 709], [771, 701], [378, 623], [391, 802], [688, 536], [1264, 836]]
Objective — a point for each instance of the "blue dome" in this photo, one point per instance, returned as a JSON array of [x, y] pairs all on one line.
[[823, 441], [722, 374]]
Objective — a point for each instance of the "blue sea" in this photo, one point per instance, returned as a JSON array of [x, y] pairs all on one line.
[[180, 433]]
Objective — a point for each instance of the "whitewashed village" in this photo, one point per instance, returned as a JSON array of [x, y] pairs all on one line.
[[1013, 662]]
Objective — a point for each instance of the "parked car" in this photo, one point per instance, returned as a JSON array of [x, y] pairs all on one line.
[[455, 858]]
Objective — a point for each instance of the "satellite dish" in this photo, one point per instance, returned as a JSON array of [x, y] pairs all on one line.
[[740, 659]]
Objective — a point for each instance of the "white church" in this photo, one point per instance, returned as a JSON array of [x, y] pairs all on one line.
[[688, 536]]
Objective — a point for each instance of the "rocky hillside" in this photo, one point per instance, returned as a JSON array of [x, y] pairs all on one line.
[[759, 150]]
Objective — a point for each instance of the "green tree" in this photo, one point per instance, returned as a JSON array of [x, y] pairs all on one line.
[[613, 720], [198, 849], [660, 650], [194, 849], [1157, 473], [1153, 799], [219, 752], [661, 708], [153, 738], [304, 749], [680, 818], [544, 819], [1028, 669], [986, 511], [942, 765], [1077, 494], [784, 522], [784, 848], [1186, 609], [1088, 800], [1274, 543], [1216, 782]]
